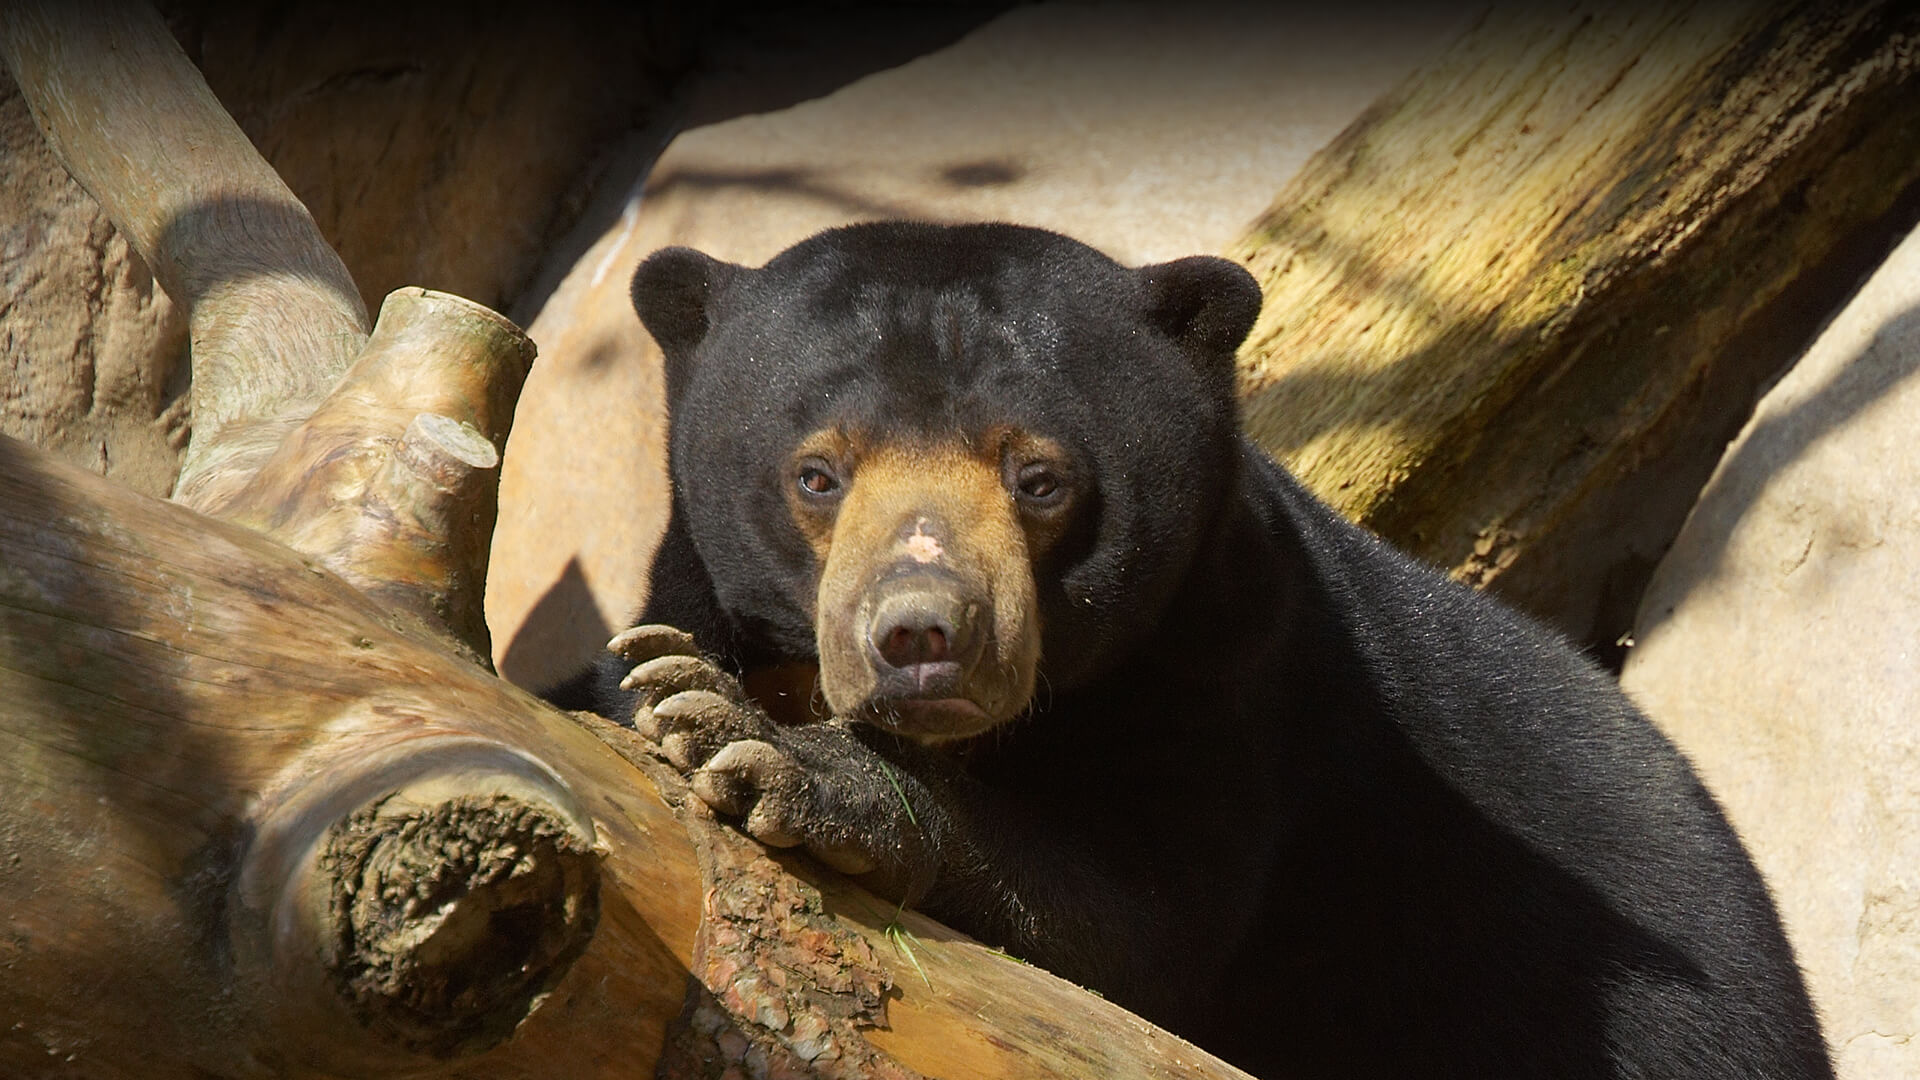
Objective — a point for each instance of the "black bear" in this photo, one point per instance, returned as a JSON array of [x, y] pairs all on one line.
[[1101, 683]]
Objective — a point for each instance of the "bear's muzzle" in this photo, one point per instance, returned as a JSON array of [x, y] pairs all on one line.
[[925, 617]]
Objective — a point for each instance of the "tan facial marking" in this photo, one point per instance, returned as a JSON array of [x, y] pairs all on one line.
[[922, 548], [945, 508], [837, 448]]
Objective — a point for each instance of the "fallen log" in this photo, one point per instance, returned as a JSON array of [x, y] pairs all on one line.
[[260, 824], [272, 818], [271, 814], [1516, 310]]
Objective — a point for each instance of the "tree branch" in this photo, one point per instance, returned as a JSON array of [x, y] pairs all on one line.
[[275, 318]]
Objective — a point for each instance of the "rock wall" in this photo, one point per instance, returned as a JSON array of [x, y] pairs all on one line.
[[1779, 643], [92, 355], [1146, 130], [440, 147]]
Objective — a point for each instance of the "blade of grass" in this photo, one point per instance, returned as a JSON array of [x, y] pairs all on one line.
[[887, 771]]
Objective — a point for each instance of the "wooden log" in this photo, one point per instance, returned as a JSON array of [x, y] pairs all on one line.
[[257, 825], [291, 830], [275, 318], [269, 804], [283, 829], [394, 481], [1515, 311]]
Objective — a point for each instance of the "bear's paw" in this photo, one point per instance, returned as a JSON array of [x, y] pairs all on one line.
[[813, 785]]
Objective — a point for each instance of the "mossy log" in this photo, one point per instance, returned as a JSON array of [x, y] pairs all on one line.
[[1515, 311], [270, 814]]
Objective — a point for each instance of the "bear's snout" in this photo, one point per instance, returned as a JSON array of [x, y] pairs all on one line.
[[925, 617], [925, 638]]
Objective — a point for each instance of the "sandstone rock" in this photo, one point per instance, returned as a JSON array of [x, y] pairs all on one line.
[[439, 147], [92, 355], [1150, 132], [1779, 643]]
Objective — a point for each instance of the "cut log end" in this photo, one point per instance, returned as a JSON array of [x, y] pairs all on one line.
[[444, 451], [414, 902], [451, 920]]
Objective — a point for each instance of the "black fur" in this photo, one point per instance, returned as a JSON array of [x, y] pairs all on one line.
[[1282, 789]]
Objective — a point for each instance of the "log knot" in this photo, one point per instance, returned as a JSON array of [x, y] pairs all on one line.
[[449, 922]]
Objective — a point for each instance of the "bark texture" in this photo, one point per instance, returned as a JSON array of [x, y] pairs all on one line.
[[1515, 311]]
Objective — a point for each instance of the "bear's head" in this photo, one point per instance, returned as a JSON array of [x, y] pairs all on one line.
[[950, 462]]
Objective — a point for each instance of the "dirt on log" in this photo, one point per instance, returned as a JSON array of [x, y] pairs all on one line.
[[1515, 311]]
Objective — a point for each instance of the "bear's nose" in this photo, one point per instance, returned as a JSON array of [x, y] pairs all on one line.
[[922, 642], [913, 640]]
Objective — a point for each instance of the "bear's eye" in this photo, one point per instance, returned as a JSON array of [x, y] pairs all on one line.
[[817, 481], [1038, 483]]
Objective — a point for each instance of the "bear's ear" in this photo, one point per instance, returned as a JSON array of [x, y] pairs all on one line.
[[1205, 303], [673, 291]]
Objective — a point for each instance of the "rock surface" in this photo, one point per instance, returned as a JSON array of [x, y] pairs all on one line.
[[92, 354], [1150, 132], [434, 149], [1779, 643]]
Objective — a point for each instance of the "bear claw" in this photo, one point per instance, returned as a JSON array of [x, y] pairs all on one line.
[[692, 724], [665, 676], [707, 727], [754, 779], [639, 644]]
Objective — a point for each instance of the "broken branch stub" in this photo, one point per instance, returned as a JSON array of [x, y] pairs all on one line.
[[275, 317], [386, 470], [394, 480]]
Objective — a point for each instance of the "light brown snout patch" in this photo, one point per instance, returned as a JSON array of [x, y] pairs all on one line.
[[942, 514]]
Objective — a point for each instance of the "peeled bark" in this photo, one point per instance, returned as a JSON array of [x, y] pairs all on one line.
[[1515, 311]]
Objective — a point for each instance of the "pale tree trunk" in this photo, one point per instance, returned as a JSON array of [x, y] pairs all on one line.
[[1515, 312]]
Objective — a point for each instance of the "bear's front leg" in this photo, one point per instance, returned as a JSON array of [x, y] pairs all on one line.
[[815, 785]]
